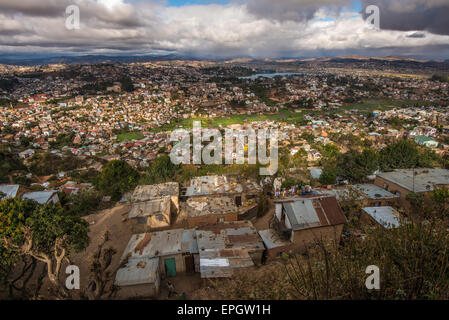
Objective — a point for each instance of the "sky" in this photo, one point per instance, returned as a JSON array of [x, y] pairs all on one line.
[[225, 28]]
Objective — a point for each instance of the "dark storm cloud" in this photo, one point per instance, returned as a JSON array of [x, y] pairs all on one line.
[[296, 10], [410, 15], [125, 15]]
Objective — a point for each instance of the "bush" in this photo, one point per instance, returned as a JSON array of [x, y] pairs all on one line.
[[116, 178]]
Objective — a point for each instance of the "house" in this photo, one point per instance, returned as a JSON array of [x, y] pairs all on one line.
[[208, 210], [42, 197], [275, 245], [176, 249], [369, 195], [426, 141], [404, 181], [9, 191], [152, 214], [227, 246], [306, 220], [244, 193], [387, 217], [138, 278], [26, 154], [154, 206]]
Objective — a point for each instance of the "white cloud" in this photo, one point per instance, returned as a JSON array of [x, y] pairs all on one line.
[[202, 30]]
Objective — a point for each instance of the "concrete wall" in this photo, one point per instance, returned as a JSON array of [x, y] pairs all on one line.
[[211, 219], [304, 238], [139, 291], [149, 290]]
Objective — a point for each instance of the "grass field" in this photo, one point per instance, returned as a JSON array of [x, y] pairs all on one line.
[[284, 115], [129, 136], [288, 116], [370, 105]]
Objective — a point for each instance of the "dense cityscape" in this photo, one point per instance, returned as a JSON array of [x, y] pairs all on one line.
[[93, 205]]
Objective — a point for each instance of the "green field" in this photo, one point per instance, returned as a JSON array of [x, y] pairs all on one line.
[[370, 105], [283, 115], [129, 136]]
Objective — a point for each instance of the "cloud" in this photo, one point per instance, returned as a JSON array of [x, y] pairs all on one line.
[[413, 15], [234, 29], [296, 10]]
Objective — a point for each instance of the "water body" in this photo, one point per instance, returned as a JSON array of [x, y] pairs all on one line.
[[271, 75]]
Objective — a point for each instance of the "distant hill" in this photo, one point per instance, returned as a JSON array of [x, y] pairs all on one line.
[[95, 59]]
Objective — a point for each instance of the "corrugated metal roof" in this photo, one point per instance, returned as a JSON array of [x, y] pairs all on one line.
[[40, 197], [225, 246], [363, 191], [150, 192], [333, 211], [161, 243], [424, 179], [305, 213], [388, 217], [272, 240], [301, 214], [138, 271], [203, 206], [150, 208], [10, 190]]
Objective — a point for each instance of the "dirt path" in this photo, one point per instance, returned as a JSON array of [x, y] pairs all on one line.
[[120, 232]]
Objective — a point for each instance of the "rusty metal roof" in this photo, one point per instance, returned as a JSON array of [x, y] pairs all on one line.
[[226, 246], [306, 213]]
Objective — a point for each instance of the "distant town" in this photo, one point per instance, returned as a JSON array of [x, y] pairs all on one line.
[[86, 179]]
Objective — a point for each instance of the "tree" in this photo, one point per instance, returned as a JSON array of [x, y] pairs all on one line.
[[160, 170], [101, 279], [328, 176], [116, 178], [44, 233], [400, 155], [356, 166]]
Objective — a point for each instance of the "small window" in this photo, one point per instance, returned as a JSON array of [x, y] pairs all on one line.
[[398, 193], [386, 187], [221, 220]]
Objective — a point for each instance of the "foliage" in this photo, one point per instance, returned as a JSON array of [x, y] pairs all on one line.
[[116, 178], [400, 155], [288, 183], [328, 176], [9, 163], [43, 232], [440, 198], [413, 261], [160, 170], [42, 164], [62, 140], [82, 203], [356, 166]]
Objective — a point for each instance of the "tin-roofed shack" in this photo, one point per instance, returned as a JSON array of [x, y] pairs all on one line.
[[154, 207], [175, 248], [404, 181], [138, 278], [226, 246], [386, 217], [304, 221], [207, 210], [9, 191], [368, 195], [245, 193]]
